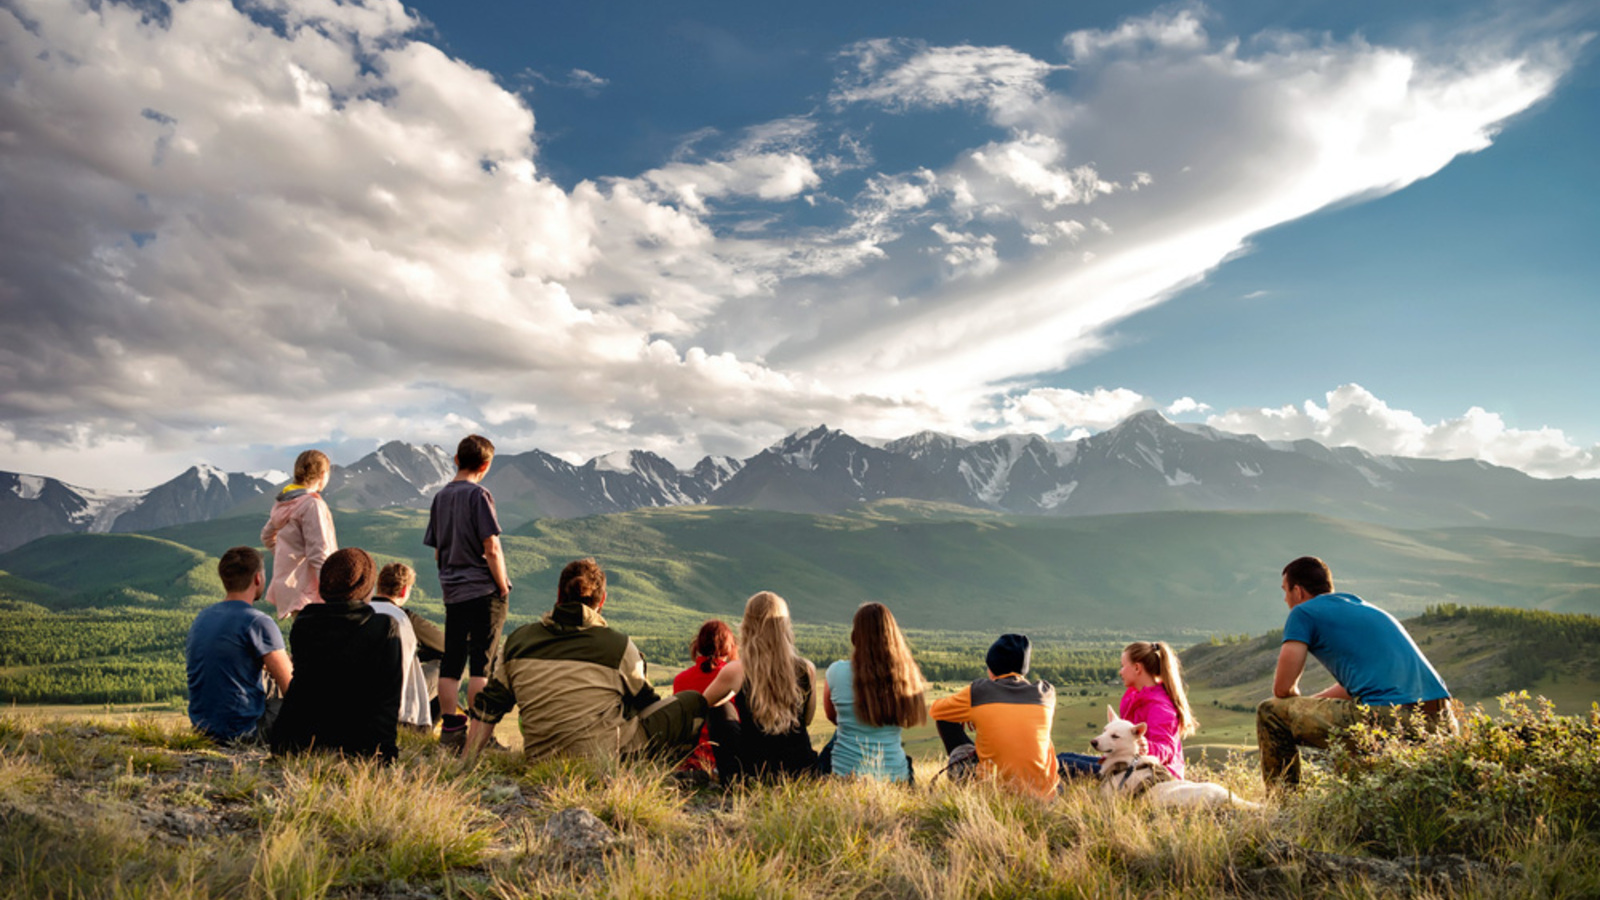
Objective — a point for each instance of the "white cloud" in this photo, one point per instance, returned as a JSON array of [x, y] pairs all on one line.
[[1045, 410], [1184, 405], [1180, 30], [906, 74], [1354, 417], [303, 224], [768, 176]]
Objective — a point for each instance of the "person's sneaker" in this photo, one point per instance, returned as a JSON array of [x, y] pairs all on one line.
[[453, 734]]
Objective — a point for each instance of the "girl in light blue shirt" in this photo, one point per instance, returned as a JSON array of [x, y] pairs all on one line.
[[871, 696]]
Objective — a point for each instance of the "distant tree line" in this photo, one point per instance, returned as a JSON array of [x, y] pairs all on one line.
[[1535, 639]]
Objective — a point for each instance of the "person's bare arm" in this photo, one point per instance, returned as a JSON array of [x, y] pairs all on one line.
[[1291, 663], [827, 704], [496, 558], [279, 668], [726, 684], [478, 734]]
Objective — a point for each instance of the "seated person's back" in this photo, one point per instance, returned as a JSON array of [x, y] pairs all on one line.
[[772, 688], [580, 686], [346, 696], [871, 696], [1012, 718], [229, 646], [712, 648]]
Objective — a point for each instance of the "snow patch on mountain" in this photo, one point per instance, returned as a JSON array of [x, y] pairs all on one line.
[[1373, 478], [1250, 470], [616, 461], [1179, 477], [800, 449], [1150, 456], [1065, 452], [206, 473], [271, 476], [987, 486], [1057, 495], [28, 487], [101, 508]]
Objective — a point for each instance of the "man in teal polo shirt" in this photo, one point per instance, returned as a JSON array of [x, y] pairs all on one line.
[[1380, 675]]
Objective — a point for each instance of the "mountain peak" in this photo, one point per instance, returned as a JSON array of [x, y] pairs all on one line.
[[1146, 418]]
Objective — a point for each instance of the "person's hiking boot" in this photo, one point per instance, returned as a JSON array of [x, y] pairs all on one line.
[[453, 734]]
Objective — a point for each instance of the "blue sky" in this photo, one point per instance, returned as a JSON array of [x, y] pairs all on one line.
[[692, 228]]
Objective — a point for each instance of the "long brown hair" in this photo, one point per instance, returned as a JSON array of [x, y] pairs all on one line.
[[887, 682], [1157, 658], [766, 641]]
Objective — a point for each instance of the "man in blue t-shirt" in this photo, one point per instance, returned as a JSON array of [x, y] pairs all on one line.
[[1380, 675], [230, 644]]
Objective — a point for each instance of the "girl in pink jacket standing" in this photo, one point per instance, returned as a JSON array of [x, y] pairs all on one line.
[[300, 535]]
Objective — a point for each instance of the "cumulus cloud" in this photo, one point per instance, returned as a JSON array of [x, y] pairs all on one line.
[[300, 222], [1353, 417], [908, 74], [1184, 405], [1049, 410]]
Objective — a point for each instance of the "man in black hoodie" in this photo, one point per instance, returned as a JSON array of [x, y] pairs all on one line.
[[346, 692]]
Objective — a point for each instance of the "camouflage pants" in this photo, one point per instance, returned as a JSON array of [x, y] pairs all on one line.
[[669, 729], [1285, 724]]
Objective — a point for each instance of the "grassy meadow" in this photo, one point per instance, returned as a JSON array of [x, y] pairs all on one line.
[[135, 805]]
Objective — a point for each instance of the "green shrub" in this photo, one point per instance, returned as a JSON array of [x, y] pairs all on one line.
[[1479, 792]]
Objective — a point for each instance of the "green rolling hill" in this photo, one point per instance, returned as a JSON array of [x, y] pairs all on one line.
[[1169, 573], [956, 574]]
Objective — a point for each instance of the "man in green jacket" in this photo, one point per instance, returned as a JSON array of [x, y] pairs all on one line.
[[580, 686]]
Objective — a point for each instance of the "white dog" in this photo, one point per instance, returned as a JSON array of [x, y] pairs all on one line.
[[1125, 769]]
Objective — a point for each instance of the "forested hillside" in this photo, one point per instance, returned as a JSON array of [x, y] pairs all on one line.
[[99, 617]]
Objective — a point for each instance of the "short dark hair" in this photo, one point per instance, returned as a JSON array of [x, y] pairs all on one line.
[[238, 567], [1310, 573], [474, 452], [582, 581]]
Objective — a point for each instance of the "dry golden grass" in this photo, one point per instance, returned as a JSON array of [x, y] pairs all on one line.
[[138, 809]]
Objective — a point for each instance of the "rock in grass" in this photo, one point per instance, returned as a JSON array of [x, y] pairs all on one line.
[[578, 833]]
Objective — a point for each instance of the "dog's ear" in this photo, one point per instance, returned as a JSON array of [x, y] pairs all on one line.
[[1111, 714], [1140, 729]]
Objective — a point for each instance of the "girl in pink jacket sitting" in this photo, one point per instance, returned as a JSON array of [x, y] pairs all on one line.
[[300, 535], [1153, 694]]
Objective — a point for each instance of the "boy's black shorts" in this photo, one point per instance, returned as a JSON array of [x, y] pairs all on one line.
[[472, 635]]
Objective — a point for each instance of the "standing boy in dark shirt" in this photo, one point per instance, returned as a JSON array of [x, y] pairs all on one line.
[[465, 536]]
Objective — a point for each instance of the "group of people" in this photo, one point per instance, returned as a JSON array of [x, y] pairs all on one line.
[[360, 666]]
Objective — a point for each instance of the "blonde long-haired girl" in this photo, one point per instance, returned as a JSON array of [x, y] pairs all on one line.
[[771, 687], [871, 696]]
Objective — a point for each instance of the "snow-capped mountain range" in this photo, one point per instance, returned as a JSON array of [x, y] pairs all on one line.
[[1144, 464]]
